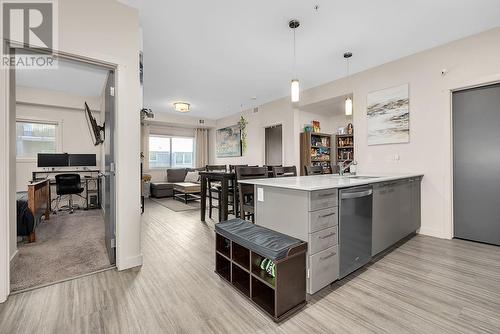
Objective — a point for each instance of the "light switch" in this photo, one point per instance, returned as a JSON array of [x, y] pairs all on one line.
[[260, 194]]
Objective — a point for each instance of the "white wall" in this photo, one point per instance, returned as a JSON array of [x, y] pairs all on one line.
[[328, 123], [112, 37], [67, 111], [273, 113]]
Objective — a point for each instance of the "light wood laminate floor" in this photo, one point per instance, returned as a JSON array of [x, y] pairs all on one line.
[[426, 286]]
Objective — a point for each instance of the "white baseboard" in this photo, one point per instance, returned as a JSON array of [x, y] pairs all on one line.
[[433, 233], [14, 255], [131, 262]]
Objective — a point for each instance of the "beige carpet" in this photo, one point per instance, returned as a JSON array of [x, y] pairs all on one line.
[[67, 246], [176, 205]]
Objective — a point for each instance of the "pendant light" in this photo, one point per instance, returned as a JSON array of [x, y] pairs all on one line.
[[348, 101], [295, 87]]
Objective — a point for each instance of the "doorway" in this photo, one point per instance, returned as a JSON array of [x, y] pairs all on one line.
[[274, 145], [476, 164], [72, 235]]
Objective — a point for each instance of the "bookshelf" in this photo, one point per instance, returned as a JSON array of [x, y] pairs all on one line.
[[344, 147], [316, 150]]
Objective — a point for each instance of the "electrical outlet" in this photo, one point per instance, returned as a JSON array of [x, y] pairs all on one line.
[[260, 194]]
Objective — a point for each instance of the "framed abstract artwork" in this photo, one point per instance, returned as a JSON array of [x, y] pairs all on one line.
[[388, 116], [228, 142]]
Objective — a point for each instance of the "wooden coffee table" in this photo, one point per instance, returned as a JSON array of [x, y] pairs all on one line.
[[187, 191]]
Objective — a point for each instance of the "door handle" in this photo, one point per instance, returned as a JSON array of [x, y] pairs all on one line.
[[327, 195], [328, 215]]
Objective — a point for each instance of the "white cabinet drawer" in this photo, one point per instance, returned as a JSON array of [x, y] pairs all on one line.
[[323, 269], [319, 220], [322, 199], [323, 239]]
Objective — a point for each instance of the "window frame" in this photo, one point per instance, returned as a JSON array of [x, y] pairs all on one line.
[[171, 137], [59, 132]]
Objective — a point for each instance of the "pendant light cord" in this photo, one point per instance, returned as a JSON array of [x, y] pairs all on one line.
[[294, 55]]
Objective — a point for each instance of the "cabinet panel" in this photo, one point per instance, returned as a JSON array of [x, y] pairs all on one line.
[[404, 189], [396, 212], [385, 217], [323, 269], [323, 239], [319, 220], [323, 199]]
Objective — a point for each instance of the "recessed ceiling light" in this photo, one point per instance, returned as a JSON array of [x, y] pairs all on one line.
[[182, 106]]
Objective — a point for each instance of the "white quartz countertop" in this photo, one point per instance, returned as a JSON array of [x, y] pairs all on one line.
[[328, 181]]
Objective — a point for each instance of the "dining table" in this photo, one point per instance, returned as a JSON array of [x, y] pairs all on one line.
[[225, 179]]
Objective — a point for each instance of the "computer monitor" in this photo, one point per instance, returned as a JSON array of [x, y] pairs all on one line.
[[82, 160], [53, 160]]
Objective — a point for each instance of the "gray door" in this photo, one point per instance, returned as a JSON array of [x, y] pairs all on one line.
[[109, 170], [274, 146], [476, 164]]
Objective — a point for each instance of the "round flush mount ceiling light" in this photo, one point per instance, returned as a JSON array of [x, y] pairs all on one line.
[[182, 106]]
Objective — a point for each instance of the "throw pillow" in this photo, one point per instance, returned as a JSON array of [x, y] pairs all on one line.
[[192, 177]]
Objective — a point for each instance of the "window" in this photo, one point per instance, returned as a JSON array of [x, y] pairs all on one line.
[[170, 152], [35, 137]]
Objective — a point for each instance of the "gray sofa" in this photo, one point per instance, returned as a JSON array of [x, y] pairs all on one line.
[[174, 175]]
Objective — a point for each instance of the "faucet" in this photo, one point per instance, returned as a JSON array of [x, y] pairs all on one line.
[[343, 168]]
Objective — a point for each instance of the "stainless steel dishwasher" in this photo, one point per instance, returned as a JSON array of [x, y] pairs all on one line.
[[355, 235]]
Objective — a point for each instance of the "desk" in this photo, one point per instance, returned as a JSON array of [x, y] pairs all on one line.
[[224, 178], [86, 180], [46, 173]]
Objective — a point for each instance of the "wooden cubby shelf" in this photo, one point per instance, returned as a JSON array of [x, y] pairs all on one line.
[[279, 296], [241, 255]]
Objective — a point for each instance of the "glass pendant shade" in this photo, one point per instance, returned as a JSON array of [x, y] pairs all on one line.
[[295, 90], [348, 106]]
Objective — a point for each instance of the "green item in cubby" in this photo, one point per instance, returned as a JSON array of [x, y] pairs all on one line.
[[268, 266]]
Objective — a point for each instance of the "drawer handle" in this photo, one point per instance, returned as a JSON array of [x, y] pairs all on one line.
[[327, 257], [327, 236], [326, 195], [328, 215]]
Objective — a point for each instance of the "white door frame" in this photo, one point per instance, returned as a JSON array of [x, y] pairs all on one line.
[[5, 151]]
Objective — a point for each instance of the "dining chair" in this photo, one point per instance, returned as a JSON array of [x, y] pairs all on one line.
[[313, 170], [246, 191], [214, 188], [286, 171]]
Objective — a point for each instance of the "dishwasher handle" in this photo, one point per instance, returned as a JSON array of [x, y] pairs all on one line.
[[356, 193]]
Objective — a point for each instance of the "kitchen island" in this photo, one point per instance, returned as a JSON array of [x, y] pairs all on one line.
[[344, 219]]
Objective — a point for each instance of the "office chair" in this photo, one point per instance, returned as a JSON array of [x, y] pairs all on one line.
[[68, 184]]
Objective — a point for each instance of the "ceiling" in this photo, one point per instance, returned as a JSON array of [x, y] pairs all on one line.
[[218, 55], [69, 77]]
